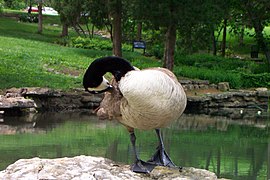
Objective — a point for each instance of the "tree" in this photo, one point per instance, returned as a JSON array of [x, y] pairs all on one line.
[[160, 15], [116, 15], [1, 6], [70, 14], [40, 17], [61, 7], [258, 14], [13, 4], [190, 24], [170, 36]]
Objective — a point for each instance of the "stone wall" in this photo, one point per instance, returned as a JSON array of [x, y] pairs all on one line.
[[24, 100], [196, 84], [235, 104]]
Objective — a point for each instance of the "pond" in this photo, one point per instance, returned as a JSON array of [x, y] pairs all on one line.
[[231, 149]]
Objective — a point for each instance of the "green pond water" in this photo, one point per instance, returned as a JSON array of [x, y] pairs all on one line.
[[232, 149]]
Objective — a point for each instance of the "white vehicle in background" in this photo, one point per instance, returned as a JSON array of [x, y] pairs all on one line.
[[49, 11], [45, 10]]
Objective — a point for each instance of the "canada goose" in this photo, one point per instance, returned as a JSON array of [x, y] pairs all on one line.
[[139, 99]]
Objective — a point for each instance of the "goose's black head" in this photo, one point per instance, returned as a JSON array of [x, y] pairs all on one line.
[[93, 80]]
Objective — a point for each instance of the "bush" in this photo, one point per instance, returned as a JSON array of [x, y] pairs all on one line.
[[95, 44], [214, 76], [157, 51], [238, 73], [87, 43], [28, 18], [255, 80], [14, 4], [1, 6], [210, 61]]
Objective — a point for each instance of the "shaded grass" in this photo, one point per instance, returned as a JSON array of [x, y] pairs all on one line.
[[31, 59], [14, 28], [27, 63]]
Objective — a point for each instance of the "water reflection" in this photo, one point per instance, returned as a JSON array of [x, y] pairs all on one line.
[[231, 149]]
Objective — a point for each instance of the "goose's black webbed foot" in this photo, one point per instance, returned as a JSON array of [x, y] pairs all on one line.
[[142, 167], [161, 158]]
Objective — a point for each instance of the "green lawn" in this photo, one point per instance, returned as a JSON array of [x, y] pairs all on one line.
[[32, 59]]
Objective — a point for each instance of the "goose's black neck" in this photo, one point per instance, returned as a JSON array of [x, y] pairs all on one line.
[[115, 65]]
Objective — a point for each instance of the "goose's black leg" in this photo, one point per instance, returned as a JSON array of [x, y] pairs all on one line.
[[161, 157], [139, 166]]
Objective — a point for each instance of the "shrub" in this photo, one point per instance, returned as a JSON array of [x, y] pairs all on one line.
[[1, 6], [28, 18], [95, 44], [14, 4], [156, 50], [255, 80], [238, 73], [210, 61], [214, 76]]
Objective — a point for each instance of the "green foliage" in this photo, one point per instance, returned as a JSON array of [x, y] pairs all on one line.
[[210, 61], [214, 76], [255, 80], [87, 43], [14, 4], [156, 50], [142, 62], [28, 18], [95, 44], [238, 73], [1, 6]]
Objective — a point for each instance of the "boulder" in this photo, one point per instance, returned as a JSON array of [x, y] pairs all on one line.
[[87, 167], [16, 102], [223, 86]]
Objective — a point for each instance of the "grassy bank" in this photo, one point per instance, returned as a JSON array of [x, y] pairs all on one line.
[[32, 59]]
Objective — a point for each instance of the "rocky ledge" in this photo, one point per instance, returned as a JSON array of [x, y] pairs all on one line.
[[16, 101], [230, 103], [87, 167]]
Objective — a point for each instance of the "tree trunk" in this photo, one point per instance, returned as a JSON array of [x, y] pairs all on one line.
[[223, 46], [92, 31], [30, 7], [117, 31], [64, 30], [214, 45], [40, 18], [169, 47], [109, 29], [241, 36], [258, 26], [261, 41], [139, 31], [76, 29]]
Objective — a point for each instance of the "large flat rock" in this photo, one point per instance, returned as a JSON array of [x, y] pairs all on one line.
[[16, 102], [87, 167]]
